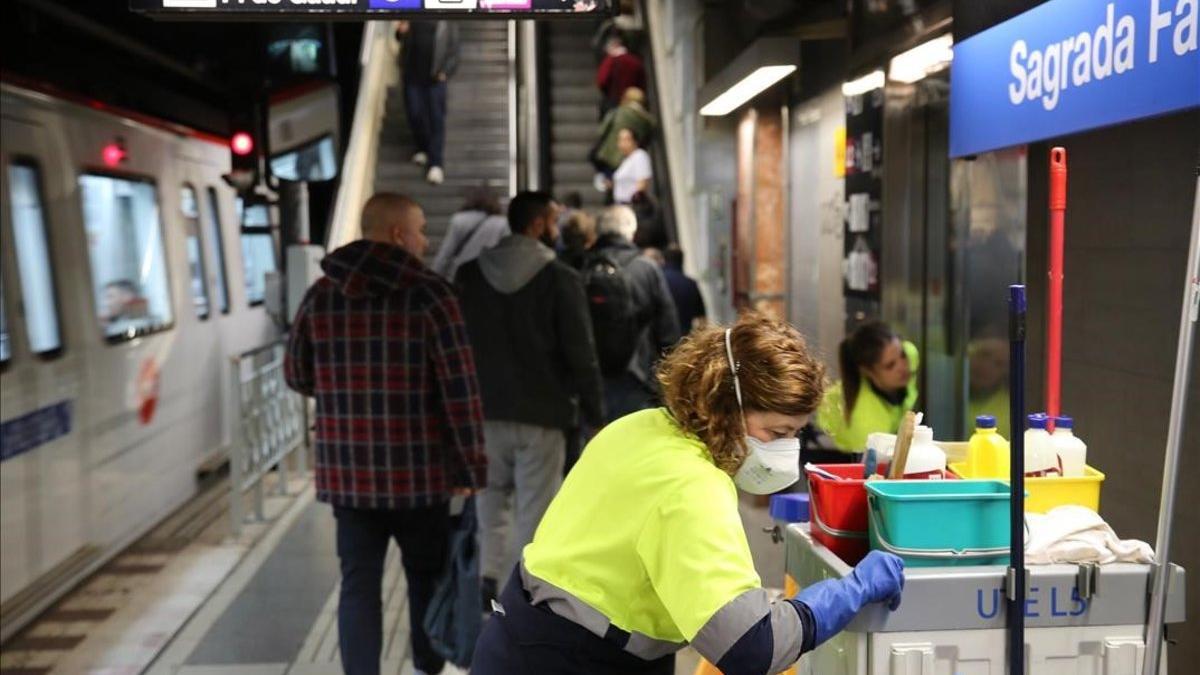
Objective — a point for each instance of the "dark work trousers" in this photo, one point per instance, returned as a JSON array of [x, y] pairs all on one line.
[[529, 640], [362, 542], [425, 105], [626, 394]]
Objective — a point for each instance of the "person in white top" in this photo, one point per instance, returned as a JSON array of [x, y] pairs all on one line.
[[634, 173]]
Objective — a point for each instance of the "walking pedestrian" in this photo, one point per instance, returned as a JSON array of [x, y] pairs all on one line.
[[632, 312], [474, 228], [429, 56], [528, 321], [689, 304], [380, 343]]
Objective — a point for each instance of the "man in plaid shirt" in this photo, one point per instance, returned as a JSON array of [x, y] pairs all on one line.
[[380, 342]]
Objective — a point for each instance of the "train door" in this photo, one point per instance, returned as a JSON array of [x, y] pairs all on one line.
[[43, 468]]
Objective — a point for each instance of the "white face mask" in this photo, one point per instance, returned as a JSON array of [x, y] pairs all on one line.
[[768, 467]]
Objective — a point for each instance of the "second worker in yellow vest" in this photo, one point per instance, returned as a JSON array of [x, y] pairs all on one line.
[[878, 385], [643, 550]]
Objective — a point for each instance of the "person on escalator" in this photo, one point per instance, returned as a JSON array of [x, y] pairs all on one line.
[[643, 549], [635, 172], [620, 70], [429, 56], [632, 114], [878, 385]]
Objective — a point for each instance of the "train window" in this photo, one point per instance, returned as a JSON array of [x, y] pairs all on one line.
[[190, 209], [33, 258], [314, 161], [258, 249], [218, 244], [129, 269]]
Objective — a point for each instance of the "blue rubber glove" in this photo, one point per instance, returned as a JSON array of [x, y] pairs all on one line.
[[835, 602]]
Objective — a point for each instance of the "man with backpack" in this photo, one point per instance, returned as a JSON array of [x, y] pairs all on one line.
[[527, 318], [633, 315]]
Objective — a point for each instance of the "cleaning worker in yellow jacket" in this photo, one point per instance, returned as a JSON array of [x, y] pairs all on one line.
[[643, 550], [878, 385]]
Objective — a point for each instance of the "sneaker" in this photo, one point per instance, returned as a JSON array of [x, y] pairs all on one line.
[[420, 159], [435, 175], [600, 182]]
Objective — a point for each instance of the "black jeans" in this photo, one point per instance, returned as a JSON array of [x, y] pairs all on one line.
[[425, 105], [362, 542]]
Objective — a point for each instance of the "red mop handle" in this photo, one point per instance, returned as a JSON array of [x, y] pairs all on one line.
[[1058, 208]]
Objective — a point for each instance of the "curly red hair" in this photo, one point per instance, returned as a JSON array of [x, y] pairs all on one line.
[[777, 373]]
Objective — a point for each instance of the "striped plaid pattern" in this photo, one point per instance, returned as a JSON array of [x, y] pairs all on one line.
[[381, 344]]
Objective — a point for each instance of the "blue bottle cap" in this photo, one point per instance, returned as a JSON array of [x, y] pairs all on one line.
[[1063, 422], [985, 422], [790, 507], [1038, 420]]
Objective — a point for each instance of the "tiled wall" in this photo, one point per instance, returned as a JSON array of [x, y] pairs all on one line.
[[1129, 206]]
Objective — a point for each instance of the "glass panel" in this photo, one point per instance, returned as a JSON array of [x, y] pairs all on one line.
[[312, 162], [129, 270], [990, 200], [218, 244], [195, 249], [33, 259], [258, 249]]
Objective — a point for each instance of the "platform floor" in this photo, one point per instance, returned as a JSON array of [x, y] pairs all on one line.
[[263, 603]]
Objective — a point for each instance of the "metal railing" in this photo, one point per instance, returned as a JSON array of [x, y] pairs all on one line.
[[272, 422], [378, 62]]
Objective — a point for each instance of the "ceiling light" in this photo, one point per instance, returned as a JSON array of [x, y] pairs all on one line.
[[863, 84], [924, 59], [748, 88]]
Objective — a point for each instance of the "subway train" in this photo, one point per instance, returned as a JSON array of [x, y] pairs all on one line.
[[130, 275]]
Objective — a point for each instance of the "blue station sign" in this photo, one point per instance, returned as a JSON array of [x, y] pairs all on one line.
[[1071, 65]]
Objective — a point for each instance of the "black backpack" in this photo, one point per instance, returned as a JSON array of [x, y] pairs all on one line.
[[609, 291]]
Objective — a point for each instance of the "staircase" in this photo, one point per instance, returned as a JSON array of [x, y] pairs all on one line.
[[477, 139], [574, 106]]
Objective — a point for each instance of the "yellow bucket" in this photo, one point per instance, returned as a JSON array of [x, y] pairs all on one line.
[[1046, 492]]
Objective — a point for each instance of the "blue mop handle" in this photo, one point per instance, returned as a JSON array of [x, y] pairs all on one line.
[[1016, 378]]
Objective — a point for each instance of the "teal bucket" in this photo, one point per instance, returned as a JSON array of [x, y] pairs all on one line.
[[936, 523]]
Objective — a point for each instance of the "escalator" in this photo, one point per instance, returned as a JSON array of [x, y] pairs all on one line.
[[477, 131]]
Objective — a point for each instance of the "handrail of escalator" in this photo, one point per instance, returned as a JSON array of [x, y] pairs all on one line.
[[377, 61], [667, 153], [663, 190]]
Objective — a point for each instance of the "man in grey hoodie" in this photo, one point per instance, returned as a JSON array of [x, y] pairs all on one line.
[[530, 328]]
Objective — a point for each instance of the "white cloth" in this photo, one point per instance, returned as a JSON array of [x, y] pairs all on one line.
[[1076, 534], [462, 224], [636, 167]]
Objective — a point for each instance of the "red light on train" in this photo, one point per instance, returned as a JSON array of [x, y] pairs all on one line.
[[241, 144], [113, 154]]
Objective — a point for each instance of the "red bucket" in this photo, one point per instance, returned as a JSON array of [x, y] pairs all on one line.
[[839, 511]]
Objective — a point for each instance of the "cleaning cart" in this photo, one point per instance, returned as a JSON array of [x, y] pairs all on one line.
[[1078, 618], [970, 604]]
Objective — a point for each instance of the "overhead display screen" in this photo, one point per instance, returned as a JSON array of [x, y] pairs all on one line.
[[226, 10]]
